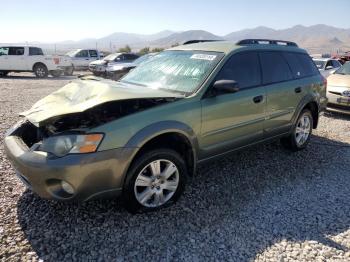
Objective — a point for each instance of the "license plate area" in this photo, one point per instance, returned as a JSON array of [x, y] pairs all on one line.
[[343, 100]]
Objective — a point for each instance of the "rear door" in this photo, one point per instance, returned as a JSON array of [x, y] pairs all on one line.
[[284, 74], [82, 59], [236, 119], [283, 93]]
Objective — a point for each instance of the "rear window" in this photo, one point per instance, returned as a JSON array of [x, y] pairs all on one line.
[[93, 53], [274, 68], [301, 65], [35, 51]]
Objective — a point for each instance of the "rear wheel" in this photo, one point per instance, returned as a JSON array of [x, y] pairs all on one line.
[[56, 73], [40, 71], [155, 180], [301, 134], [69, 71]]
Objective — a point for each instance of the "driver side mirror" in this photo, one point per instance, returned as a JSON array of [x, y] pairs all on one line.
[[225, 86]]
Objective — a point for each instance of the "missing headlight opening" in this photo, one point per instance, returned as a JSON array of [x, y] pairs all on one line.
[[80, 122]]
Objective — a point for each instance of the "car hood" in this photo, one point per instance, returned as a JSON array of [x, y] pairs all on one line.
[[339, 80], [119, 66], [98, 62], [86, 93]]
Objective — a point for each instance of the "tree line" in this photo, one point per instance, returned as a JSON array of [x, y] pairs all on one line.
[[143, 51]]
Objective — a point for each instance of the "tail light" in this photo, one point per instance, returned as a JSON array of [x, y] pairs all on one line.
[[325, 83], [56, 60]]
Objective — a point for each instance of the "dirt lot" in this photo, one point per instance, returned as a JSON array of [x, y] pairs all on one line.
[[261, 204]]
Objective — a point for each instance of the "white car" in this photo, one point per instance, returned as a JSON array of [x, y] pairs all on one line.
[[81, 58], [327, 66], [32, 59]]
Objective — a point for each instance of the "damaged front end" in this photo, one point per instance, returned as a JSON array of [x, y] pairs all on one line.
[[61, 135], [59, 124]]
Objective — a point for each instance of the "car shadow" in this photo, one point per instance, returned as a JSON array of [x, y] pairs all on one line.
[[234, 209], [336, 115]]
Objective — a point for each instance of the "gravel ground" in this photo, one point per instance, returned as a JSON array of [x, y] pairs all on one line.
[[262, 204]]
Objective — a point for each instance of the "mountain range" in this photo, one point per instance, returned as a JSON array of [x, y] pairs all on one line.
[[316, 38]]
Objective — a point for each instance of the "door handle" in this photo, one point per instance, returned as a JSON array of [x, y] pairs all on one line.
[[297, 90], [258, 99]]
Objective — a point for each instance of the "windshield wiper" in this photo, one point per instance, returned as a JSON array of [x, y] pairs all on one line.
[[132, 83]]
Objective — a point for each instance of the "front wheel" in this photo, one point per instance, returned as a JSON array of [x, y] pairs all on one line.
[[301, 134], [155, 180], [41, 71]]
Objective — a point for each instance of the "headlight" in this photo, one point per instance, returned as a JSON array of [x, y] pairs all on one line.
[[71, 144]]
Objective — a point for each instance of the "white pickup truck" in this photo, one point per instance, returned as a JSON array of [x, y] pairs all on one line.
[[32, 59]]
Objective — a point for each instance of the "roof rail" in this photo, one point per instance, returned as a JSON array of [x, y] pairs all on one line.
[[266, 41], [199, 41]]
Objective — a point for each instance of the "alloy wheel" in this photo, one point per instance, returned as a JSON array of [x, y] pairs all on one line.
[[156, 183], [303, 129]]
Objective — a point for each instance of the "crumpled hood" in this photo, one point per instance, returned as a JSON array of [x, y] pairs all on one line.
[[99, 62], [85, 93], [119, 66]]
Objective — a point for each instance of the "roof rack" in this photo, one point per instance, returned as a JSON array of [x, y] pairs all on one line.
[[198, 41], [266, 41]]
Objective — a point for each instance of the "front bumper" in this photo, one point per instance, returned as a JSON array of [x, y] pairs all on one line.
[[93, 175], [338, 103]]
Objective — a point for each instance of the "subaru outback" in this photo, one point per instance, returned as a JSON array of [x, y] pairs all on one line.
[[143, 136]]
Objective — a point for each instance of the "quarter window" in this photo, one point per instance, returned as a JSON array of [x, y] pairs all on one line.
[[301, 65], [243, 68], [274, 68]]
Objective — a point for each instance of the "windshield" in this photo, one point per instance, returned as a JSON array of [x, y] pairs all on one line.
[[179, 71], [72, 53], [320, 64], [111, 57], [344, 70]]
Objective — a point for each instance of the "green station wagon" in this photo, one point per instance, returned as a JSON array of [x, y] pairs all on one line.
[[143, 136]]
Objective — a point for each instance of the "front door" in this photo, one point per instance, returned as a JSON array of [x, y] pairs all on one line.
[[234, 120], [4, 51]]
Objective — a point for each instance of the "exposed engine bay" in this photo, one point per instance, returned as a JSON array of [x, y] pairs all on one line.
[[79, 122]]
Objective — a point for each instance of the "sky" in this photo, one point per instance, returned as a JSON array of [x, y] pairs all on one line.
[[52, 21]]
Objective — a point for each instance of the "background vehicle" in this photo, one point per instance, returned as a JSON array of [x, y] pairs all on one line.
[[99, 67], [116, 71], [32, 59], [143, 135], [338, 90], [327, 65], [81, 58]]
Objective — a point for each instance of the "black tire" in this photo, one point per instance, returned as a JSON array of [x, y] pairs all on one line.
[[56, 73], [69, 71], [40, 71], [129, 193], [291, 142], [3, 73]]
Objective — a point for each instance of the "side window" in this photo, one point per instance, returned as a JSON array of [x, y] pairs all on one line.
[[93, 53], [300, 64], [243, 68], [120, 58], [35, 51], [329, 63], [4, 51], [274, 67], [16, 51], [336, 63], [83, 53]]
